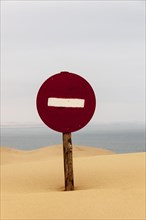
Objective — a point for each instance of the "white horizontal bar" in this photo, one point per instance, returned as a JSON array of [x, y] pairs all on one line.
[[60, 102]]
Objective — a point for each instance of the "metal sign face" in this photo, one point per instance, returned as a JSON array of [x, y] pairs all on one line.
[[66, 102]]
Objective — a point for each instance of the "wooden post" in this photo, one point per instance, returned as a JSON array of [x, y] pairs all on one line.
[[68, 162]]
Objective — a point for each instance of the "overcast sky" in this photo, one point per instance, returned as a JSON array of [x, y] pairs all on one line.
[[103, 41]]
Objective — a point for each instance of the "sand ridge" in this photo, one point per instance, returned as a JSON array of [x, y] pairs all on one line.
[[11, 155], [109, 186]]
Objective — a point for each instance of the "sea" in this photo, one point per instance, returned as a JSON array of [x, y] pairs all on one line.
[[119, 138]]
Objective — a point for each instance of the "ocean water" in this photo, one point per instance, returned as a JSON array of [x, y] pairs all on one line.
[[116, 138]]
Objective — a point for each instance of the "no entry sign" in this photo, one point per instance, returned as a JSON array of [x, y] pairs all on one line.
[[66, 102]]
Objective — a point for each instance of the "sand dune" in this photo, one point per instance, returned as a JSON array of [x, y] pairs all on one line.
[[10, 155], [109, 186]]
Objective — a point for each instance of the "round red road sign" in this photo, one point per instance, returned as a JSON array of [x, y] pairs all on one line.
[[66, 102]]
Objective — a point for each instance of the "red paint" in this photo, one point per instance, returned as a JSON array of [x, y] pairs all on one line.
[[66, 85]]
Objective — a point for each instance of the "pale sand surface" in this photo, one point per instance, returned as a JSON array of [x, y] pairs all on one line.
[[107, 186]]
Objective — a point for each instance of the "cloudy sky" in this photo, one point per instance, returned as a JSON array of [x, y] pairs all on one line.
[[103, 41]]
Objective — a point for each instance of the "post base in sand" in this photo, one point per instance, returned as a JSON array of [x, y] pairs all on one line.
[[68, 162]]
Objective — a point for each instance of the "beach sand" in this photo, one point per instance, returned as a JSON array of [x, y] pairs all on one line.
[[107, 185]]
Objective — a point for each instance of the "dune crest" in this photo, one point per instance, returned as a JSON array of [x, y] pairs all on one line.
[[11, 155]]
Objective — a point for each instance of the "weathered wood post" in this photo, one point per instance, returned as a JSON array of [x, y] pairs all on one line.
[[68, 162]]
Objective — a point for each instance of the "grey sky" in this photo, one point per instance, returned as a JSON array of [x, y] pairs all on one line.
[[103, 41]]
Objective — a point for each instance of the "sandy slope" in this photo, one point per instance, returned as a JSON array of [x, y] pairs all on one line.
[[108, 186], [10, 155]]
